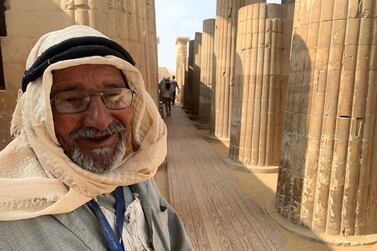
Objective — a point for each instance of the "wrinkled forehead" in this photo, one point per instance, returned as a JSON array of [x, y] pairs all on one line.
[[88, 76]]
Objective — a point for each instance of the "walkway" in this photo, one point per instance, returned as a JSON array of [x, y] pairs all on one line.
[[218, 214]]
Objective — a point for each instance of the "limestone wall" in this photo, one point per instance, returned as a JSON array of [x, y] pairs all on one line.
[[7, 104]]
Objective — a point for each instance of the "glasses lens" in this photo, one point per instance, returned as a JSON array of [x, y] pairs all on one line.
[[71, 101], [117, 98]]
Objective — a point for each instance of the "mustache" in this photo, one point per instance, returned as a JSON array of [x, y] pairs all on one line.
[[91, 132]]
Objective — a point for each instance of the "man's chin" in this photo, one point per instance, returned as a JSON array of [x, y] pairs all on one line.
[[98, 160]]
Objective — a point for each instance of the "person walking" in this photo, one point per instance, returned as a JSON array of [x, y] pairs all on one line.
[[174, 87], [166, 95]]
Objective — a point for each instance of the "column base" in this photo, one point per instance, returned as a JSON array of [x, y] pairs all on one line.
[[225, 141], [201, 126], [251, 168], [210, 137], [193, 117], [337, 240]]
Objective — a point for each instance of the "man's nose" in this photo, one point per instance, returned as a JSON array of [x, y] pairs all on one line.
[[97, 115]]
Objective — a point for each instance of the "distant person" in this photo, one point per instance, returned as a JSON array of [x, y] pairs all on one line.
[[165, 95], [173, 88]]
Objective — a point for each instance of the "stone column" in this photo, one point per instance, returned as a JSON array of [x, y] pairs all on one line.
[[260, 85], [207, 72], [225, 47], [129, 22], [328, 175], [181, 64], [187, 101], [196, 76], [152, 56]]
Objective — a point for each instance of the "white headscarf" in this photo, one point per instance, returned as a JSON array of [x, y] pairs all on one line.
[[36, 177]]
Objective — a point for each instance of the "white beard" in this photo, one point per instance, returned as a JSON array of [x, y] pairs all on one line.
[[100, 167]]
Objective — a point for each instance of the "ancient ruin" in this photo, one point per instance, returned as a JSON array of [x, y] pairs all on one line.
[[261, 75], [181, 64], [207, 72], [327, 176]]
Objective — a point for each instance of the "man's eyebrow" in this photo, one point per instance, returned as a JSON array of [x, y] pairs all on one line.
[[114, 84], [68, 87]]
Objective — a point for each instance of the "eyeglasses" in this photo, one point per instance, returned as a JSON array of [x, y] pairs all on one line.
[[78, 101]]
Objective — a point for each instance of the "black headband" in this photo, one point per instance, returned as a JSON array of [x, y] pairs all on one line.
[[72, 48]]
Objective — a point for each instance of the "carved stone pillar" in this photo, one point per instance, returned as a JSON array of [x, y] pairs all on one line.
[[207, 72], [328, 173], [181, 64], [129, 22], [187, 101], [196, 76], [151, 56], [260, 85], [225, 48]]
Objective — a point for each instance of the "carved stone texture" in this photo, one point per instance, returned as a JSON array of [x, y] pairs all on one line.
[[187, 101], [207, 71], [225, 47], [129, 22], [260, 86], [328, 173], [196, 75], [151, 56], [181, 54]]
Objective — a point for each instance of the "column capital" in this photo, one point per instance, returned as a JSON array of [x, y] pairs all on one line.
[[182, 40]]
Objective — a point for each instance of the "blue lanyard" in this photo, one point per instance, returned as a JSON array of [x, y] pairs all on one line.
[[113, 243]]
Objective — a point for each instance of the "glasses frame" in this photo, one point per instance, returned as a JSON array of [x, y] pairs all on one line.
[[91, 94]]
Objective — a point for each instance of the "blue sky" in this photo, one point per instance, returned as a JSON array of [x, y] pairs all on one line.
[[180, 18]]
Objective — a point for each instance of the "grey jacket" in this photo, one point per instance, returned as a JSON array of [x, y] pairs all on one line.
[[79, 230]]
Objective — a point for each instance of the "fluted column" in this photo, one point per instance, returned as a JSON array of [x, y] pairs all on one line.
[[188, 92], [129, 22], [207, 71], [181, 64], [260, 85], [328, 174], [196, 76], [225, 47], [152, 57]]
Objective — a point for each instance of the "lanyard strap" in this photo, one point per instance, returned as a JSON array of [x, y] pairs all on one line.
[[112, 242]]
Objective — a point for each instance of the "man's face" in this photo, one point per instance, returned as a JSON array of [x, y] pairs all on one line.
[[98, 138]]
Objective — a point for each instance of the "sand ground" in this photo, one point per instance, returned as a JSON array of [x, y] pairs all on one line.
[[261, 187]]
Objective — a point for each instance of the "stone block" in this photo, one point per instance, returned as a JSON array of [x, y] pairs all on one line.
[[34, 23], [35, 5], [13, 73], [7, 103], [16, 49]]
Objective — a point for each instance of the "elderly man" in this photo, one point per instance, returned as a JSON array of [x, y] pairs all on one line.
[[88, 140]]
